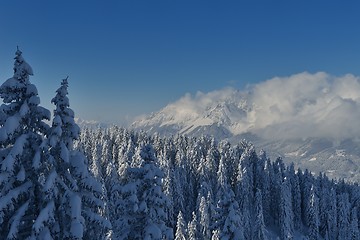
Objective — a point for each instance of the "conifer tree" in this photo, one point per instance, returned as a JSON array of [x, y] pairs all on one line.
[[22, 129], [149, 215], [343, 216], [228, 219], [259, 228], [69, 184], [125, 209], [286, 211], [193, 228], [354, 229], [180, 228], [313, 215], [331, 224], [215, 235], [205, 217], [244, 187], [296, 196]]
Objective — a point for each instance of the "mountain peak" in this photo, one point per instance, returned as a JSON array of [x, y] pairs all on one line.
[[313, 114], [223, 108]]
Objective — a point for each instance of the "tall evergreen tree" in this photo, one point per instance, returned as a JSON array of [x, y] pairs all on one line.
[[149, 217], [77, 195], [286, 214], [22, 129], [181, 228], [343, 219], [228, 219], [354, 229], [205, 216], [313, 214], [193, 228], [259, 225]]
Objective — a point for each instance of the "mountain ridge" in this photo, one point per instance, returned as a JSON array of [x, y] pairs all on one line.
[[229, 114]]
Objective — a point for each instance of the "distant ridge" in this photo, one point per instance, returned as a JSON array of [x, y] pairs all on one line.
[[89, 123], [229, 114]]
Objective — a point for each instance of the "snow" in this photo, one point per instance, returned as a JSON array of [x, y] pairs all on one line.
[[292, 154], [57, 122], [8, 163], [46, 215], [64, 154], [129, 187], [25, 66], [24, 109], [152, 232], [53, 140], [312, 159], [31, 90], [12, 195], [34, 100], [36, 160], [21, 175], [77, 161], [340, 152], [16, 221], [195, 124], [3, 134], [17, 149], [50, 181], [303, 154], [77, 227], [328, 106], [44, 112], [12, 83], [11, 124]]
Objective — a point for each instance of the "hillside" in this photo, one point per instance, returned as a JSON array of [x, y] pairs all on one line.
[[316, 128]]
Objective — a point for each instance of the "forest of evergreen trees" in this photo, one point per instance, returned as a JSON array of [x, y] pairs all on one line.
[[213, 190], [57, 182]]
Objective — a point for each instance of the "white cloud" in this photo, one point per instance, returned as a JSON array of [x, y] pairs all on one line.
[[307, 105], [299, 106], [190, 107]]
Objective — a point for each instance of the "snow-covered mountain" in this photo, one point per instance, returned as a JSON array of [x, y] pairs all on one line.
[[89, 123], [315, 127], [221, 113]]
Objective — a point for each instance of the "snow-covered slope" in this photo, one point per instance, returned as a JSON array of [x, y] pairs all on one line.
[[89, 123], [222, 113], [337, 160], [309, 119]]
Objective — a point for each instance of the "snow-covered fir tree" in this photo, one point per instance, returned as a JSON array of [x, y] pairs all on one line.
[[22, 130], [193, 228], [259, 224], [143, 214], [181, 228], [204, 210], [286, 214], [313, 215], [69, 184]]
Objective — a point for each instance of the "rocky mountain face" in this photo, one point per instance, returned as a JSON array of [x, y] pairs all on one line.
[[232, 115]]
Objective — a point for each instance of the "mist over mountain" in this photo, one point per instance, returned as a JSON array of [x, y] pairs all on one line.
[[311, 119], [90, 123]]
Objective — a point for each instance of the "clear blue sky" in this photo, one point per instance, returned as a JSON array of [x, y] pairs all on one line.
[[125, 58]]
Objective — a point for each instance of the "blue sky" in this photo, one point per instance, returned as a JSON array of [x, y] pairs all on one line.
[[126, 58]]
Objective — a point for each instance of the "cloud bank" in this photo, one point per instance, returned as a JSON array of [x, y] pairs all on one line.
[[299, 106], [307, 105]]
